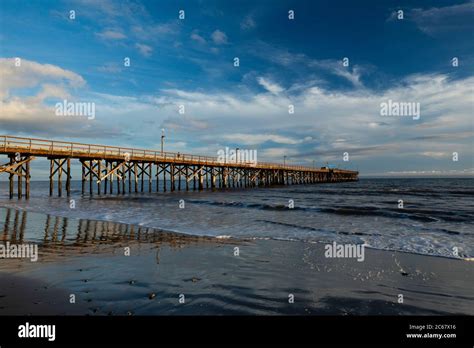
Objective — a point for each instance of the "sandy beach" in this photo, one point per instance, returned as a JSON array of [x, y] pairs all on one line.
[[172, 274]]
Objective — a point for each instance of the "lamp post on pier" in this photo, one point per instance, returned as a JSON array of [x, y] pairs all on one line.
[[162, 139]]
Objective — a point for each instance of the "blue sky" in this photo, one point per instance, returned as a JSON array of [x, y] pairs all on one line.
[[299, 62]]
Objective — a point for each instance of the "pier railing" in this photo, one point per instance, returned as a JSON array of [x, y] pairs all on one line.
[[50, 148]]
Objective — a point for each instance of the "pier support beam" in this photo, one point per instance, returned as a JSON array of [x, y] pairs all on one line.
[[90, 172], [56, 168], [19, 167], [213, 178]]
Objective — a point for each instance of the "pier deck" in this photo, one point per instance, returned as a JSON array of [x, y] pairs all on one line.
[[132, 168]]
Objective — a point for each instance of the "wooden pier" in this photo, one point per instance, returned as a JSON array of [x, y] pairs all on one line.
[[112, 169]]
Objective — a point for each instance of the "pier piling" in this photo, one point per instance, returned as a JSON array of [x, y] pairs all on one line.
[[107, 163]]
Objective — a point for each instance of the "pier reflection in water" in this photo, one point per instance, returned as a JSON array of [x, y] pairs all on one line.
[[86, 258], [56, 235]]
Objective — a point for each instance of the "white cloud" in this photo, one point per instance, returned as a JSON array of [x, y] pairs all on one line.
[[144, 50], [30, 74], [444, 19], [327, 117], [111, 35], [271, 87], [438, 154], [185, 123], [437, 20], [219, 37], [198, 38], [110, 10], [30, 113], [248, 23], [326, 123], [335, 67], [115, 18], [296, 61], [111, 67], [255, 139], [151, 32], [277, 154]]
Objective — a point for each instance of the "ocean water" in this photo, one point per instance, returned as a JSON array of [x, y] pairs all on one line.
[[437, 215]]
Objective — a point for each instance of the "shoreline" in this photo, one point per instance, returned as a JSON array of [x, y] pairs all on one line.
[[220, 237], [259, 281]]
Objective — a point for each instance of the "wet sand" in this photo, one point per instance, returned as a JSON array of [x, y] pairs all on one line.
[[21, 295], [91, 264]]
